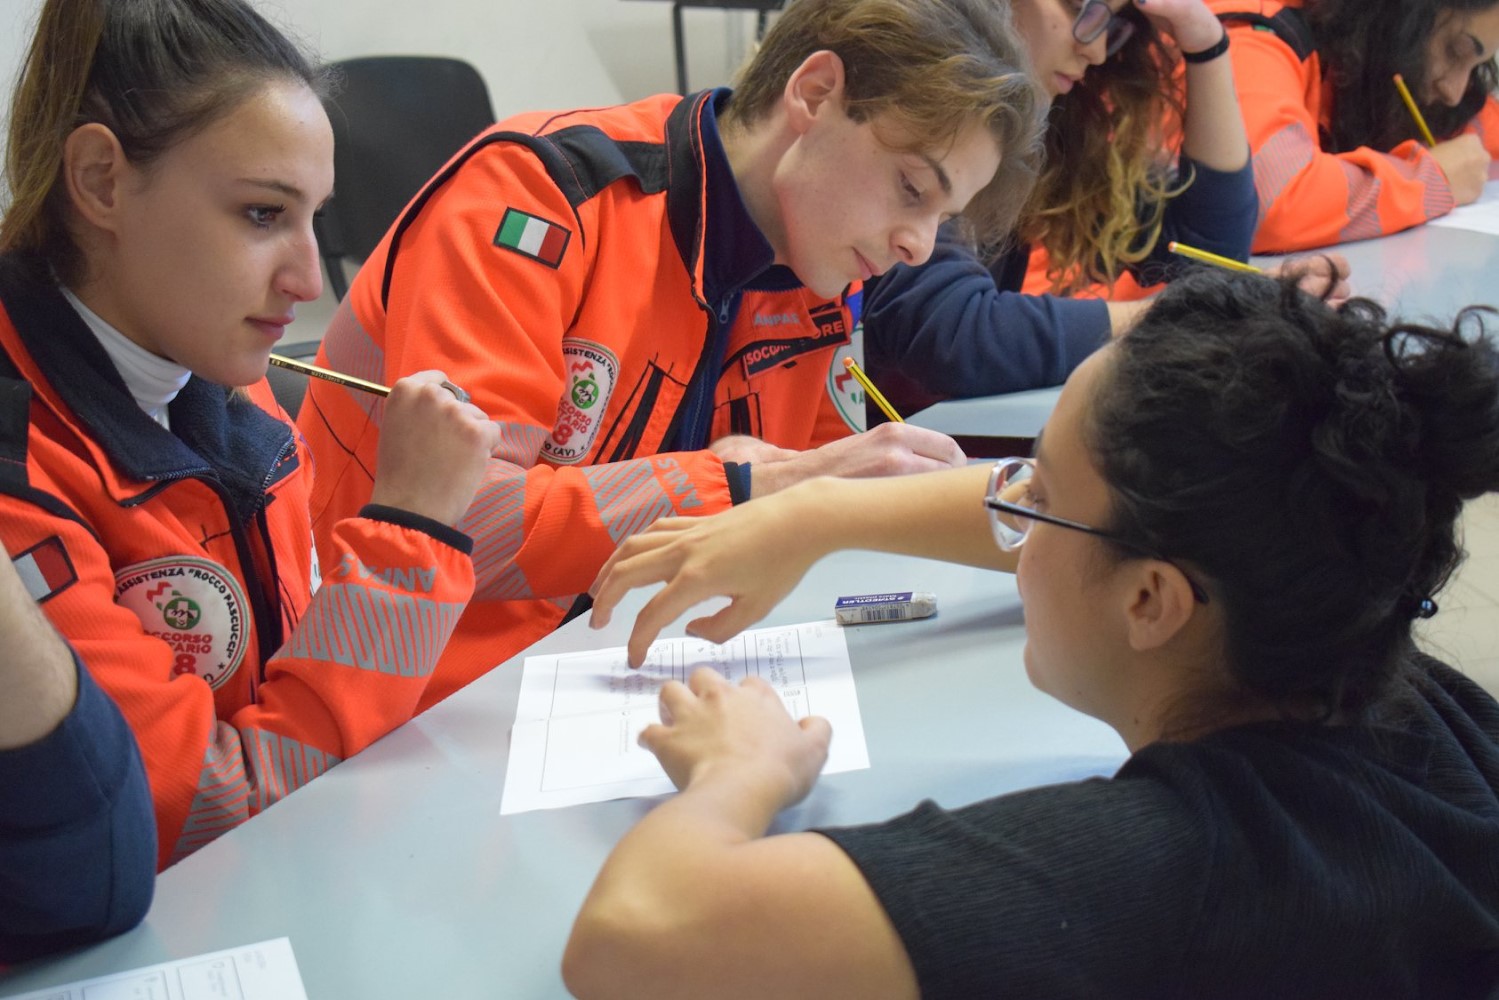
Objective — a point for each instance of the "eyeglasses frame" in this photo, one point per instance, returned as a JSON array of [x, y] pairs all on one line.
[[994, 503], [1109, 50]]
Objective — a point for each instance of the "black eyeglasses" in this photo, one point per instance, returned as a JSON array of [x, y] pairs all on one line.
[[1010, 476], [1097, 19]]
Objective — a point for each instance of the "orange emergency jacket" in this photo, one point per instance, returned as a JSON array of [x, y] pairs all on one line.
[[179, 566], [1309, 198], [594, 281]]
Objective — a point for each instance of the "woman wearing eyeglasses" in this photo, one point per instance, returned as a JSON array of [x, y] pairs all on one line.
[[1144, 145], [1337, 154], [1229, 526], [1145, 141]]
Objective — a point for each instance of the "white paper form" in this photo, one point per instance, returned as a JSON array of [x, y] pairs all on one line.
[[264, 971], [1481, 216], [579, 714]]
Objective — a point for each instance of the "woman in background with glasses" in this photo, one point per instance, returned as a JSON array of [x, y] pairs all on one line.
[[1230, 524], [1145, 142], [1144, 145]]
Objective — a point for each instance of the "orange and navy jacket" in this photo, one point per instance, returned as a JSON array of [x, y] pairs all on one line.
[[594, 281], [1310, 198], [179, 566]]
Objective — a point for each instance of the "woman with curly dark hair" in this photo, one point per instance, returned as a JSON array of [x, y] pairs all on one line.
[[1225, 536], [1337, 155]]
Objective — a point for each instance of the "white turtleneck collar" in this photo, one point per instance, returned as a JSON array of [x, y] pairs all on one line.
[[153, 381]]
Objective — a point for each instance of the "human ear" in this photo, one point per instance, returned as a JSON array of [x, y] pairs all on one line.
[[814, 87], [94, 165], [1160, 605]]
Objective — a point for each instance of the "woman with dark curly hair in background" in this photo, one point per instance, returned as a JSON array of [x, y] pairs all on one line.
[[1337, 155]]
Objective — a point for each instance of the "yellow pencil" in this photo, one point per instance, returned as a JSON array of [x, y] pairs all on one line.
[[1410, 103], [329, 376], [1211, 258], [352, 382], [874, 394]]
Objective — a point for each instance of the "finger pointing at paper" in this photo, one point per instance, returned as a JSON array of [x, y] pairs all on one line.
[[753, 554]]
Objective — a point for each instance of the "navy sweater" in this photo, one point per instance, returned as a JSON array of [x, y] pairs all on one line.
[[955, 328], [77, 833]]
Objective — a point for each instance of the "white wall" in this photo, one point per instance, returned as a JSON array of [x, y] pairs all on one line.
[[533, 54]]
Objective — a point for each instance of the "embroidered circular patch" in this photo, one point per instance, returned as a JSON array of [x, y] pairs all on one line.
[[194, 605]]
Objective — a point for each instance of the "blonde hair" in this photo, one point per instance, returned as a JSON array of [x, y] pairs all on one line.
[[1100, 201]]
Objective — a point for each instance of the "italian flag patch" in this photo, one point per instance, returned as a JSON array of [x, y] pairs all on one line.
[[532, 237], [45, 569]]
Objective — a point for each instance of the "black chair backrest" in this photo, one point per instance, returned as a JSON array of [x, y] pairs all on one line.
[[396, 120]]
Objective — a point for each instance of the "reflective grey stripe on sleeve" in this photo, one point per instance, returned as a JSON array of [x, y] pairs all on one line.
[[226, 787], [1436, 198], [1284, 155], [629, 496], [372, 628], [1363, 204]]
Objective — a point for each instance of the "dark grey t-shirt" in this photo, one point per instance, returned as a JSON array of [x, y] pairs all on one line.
[[1275, 860]]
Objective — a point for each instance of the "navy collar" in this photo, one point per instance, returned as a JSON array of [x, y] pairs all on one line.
[[215, 434], [738, 253]]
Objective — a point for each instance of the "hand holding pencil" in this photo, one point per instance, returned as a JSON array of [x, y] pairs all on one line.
[[433, 449], [1465, 163], [1324, 275], [1463, 159], [434, 445], [891, 449]]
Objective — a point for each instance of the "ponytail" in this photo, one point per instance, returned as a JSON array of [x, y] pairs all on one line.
[[43, 112]]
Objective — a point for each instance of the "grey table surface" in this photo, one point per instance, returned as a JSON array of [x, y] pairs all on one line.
[[394, 875], [1423, 274]]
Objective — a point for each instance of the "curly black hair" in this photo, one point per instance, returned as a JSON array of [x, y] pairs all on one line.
[[1309, 462]]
